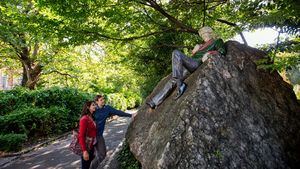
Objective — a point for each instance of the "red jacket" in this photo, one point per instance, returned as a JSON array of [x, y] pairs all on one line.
[[87, 128]]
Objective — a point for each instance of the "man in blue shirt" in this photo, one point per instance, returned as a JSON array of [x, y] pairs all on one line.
[[101, 114]]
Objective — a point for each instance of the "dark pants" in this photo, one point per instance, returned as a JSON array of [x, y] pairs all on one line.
[[181, 65], [100, 152], [86, 164]]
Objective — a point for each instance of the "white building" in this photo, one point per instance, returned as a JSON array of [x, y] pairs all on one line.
[[8, 80]]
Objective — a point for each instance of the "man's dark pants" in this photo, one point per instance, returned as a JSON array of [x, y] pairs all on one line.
[[182, 65], [100, 152]]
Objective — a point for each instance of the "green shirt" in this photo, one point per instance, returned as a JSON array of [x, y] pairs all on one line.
[[216, 45]]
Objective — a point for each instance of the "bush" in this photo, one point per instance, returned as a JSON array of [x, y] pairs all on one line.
[[7, 103], [70, 98], [36, 121], [43, 112], [13, 99], [39, 113], [12, 142]]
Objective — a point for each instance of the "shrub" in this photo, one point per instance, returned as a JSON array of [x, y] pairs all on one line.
[[36, 121], [43, 112], [7, 102], [19, 97], [38, 113], [70, 98], [13, 99], [12, 142]]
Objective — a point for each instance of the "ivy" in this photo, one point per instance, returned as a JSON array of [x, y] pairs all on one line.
[[126, 158]]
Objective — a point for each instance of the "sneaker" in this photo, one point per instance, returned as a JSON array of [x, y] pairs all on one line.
[[181, 90]]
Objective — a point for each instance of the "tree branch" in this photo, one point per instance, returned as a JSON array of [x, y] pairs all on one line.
[[143, 3], [170, 45], [222, 2], [234, 25], [60, 73], [163, 46], [146, 12], [204, 13], [35, 50], [173, 20], [226, 22], [243, 38], [278, 39], [123, 39]]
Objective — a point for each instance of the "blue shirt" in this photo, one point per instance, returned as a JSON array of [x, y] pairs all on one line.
[[101, 114]]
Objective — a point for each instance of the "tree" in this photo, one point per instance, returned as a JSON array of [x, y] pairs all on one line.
[[28, 36], [146, 31]]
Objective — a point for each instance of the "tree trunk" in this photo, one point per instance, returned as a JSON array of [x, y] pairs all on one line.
[[31, 70], [31, 75], [24, 77]]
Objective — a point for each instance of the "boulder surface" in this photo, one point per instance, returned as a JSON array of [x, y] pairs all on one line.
[[232, 115]]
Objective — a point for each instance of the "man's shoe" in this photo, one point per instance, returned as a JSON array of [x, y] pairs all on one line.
[[181, 90], [151, 104]]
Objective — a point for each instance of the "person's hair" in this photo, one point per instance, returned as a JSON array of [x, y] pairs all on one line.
[[85, 109], [97, 97], [206, 29]]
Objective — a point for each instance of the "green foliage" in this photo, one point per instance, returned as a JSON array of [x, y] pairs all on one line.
[[39, 113], [116, 46], [89, 70], [124, 101], [12, 142], [281, 57], [36, 122], [298, 95], [52, 111], [123, 48], [218, 154], [7, 103], [284, 57], [70, 98], [140, 36], [252, 14], [126, 158]]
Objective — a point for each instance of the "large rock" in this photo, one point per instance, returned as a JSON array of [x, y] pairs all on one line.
[[232, 115]]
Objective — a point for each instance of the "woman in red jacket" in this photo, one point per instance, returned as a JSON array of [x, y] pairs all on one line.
[[87, 134]]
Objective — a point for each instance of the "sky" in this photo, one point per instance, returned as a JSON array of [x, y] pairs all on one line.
[[259, 37]]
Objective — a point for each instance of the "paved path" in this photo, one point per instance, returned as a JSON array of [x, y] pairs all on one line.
[[57, 156]]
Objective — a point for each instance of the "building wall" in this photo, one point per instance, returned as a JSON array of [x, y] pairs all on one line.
[[7, 79], [1, 80]]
